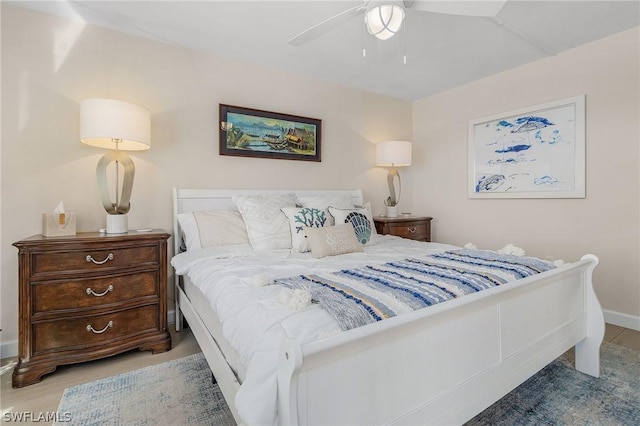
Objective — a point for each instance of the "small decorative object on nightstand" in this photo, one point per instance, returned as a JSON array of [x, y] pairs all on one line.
[[415, 228], [89, 296]]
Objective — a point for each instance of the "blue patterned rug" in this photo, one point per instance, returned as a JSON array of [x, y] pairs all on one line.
[[180, 392], [560, 395]]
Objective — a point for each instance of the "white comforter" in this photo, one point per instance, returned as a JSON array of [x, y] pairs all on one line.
[[255, 322]]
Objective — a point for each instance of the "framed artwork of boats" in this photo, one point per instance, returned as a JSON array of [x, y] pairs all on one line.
[[535, 152], [248, 132]]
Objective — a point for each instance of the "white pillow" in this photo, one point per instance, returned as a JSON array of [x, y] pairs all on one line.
[[212, 229], [221, 228], [267, 226], [360, 218], [332, 240], [190, 236], [301, 218], [322, 202]]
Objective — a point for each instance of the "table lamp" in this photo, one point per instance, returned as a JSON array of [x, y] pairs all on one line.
[[393, 154], [119, 126]]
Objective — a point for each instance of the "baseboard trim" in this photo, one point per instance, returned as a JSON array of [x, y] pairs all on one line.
[[10, 349], [622, 320]]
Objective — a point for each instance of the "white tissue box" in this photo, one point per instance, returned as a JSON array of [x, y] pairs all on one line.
[[57, 225]]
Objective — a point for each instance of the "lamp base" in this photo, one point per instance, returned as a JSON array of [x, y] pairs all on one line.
[[392, 211], [117, 224]]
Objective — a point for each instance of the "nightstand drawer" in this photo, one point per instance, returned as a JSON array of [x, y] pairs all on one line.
[[90, 293], [82, 332], [411, 231], [415, 228], [94, 259]]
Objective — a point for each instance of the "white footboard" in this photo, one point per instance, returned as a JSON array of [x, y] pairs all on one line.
[[444, 364]]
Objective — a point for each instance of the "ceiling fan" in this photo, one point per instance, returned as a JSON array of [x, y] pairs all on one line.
[[383, 19]]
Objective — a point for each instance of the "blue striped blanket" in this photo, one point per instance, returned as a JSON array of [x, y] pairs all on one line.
[[355, 297]]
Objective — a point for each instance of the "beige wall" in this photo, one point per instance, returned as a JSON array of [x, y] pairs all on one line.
[[605, 223], [49, 65]]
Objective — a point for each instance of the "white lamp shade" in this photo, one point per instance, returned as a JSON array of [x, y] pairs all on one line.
[[385, 20], [107, 123], [393, 154]]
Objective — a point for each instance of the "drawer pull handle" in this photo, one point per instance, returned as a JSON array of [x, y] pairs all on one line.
[[90, 328], [412, 230], [91, 292], [100, 262]]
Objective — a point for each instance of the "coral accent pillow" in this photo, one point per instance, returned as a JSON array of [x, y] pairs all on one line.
[[322, 202], [300, 219]]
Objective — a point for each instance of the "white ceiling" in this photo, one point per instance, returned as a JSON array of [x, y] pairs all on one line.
[[443, 51]]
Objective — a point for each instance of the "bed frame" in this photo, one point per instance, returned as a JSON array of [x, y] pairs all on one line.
[[441, 365]]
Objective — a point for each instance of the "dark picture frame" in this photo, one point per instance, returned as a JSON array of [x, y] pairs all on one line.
[[248, 132]]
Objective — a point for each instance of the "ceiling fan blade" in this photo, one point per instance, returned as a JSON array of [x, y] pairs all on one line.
[[487, 8], [326, 25]]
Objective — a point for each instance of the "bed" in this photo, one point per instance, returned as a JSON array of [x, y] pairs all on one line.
[[440, 365]]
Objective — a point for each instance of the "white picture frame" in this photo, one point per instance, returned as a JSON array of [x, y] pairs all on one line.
[[533, 152]]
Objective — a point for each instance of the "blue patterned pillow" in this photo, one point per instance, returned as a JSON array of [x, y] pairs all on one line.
[[359, 218], [301, 218]]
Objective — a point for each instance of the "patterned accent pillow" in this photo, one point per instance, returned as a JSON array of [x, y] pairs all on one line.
[[267, 226], [332, 240], [359, 218], [322, 202], [301, 218]]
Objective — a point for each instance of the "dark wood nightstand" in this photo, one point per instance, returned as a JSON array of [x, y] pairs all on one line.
[[89, 296], [415, 228]]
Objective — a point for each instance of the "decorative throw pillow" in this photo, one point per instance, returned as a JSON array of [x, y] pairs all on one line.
[[360, 219], [301, 218], [332, 240], [322, 202], [220, 228], [267, 226]]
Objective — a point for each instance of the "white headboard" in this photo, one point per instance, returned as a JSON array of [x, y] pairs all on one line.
[[190, 200]]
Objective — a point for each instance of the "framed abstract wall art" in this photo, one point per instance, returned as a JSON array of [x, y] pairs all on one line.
[[535, 152], [250, 132]]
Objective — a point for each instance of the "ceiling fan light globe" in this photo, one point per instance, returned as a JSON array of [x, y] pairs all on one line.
[[384, 21]]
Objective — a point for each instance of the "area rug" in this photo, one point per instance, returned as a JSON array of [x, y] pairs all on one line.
[[181, 392], [560, 395], [178, 392]]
